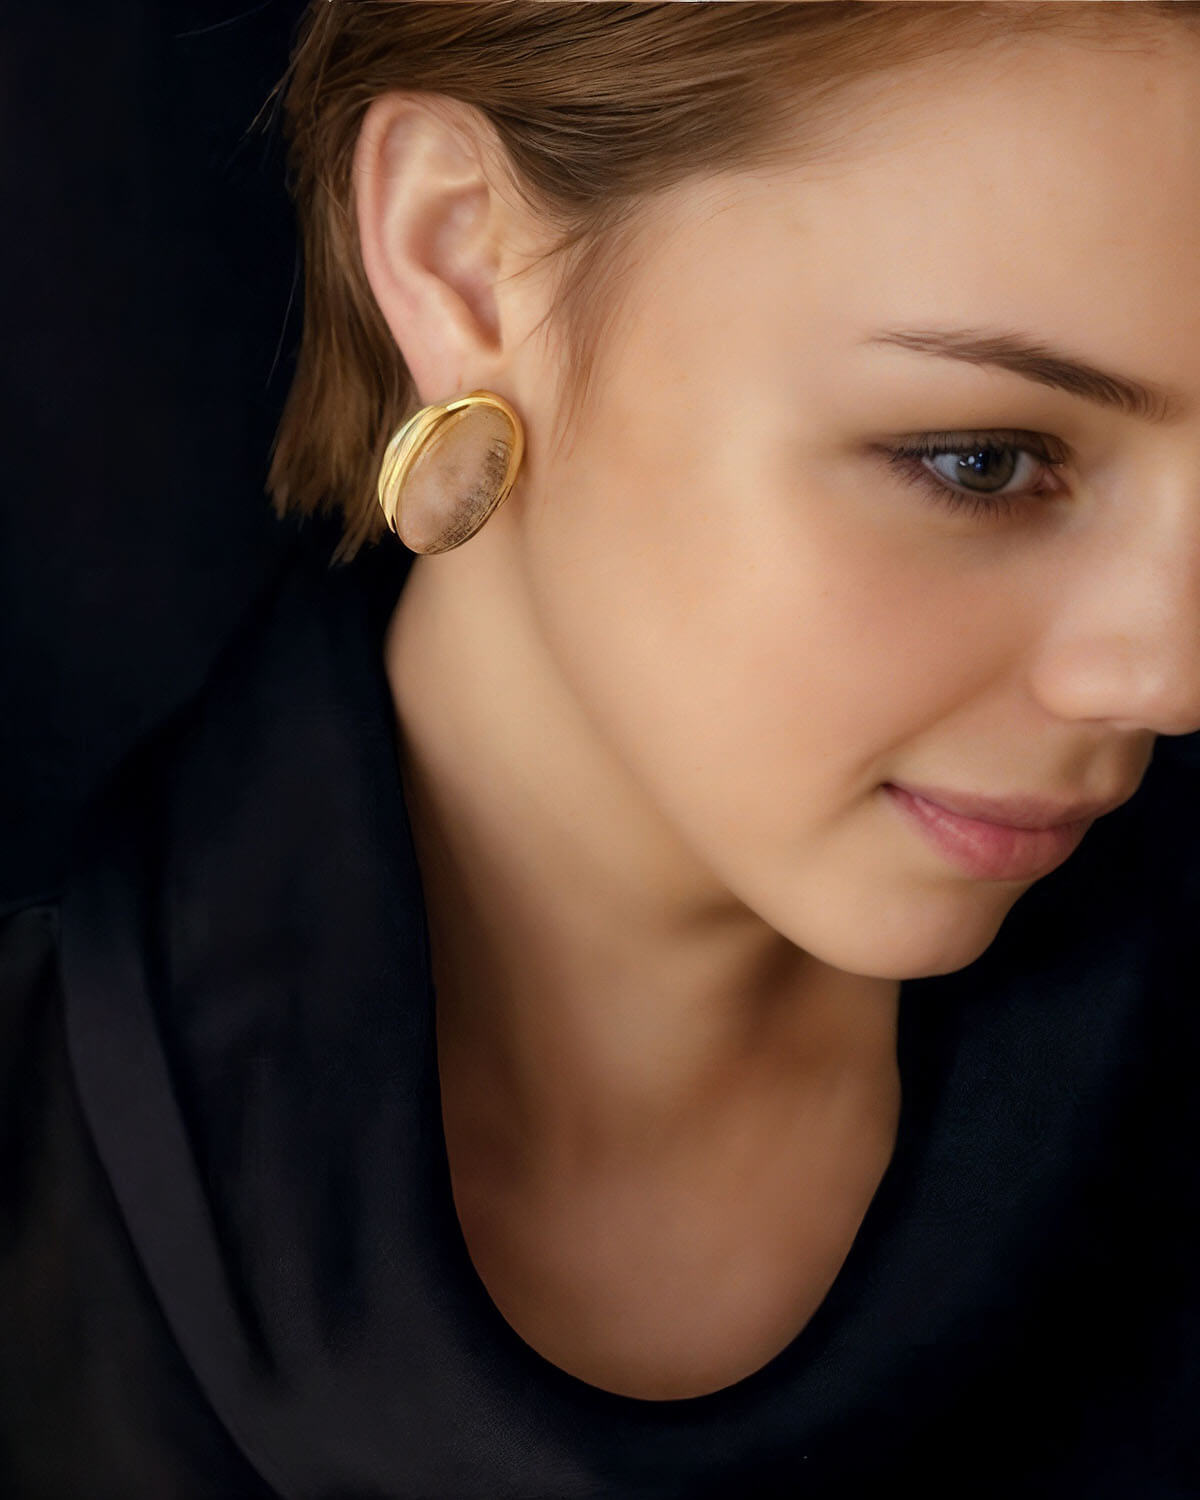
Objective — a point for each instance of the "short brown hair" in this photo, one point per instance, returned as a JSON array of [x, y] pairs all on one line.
[[597, 106]]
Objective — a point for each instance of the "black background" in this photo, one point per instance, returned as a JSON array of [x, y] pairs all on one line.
[[147, 265]]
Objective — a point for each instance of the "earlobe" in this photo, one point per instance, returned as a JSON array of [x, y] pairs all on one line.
[[426, 215]]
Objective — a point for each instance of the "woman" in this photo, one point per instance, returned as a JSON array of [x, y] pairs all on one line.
[[791, 415]]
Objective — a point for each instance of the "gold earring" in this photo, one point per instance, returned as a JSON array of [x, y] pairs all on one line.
[[448, 468]]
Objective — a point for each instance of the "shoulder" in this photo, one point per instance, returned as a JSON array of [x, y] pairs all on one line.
[[245, 989], [248, 836]]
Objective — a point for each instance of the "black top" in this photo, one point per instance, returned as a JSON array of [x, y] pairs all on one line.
[[230, 1263]]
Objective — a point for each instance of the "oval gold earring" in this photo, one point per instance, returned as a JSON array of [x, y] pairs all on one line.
[[448, 468]]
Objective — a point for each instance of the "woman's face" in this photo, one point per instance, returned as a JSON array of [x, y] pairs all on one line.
[[772, 615], [772, 619]]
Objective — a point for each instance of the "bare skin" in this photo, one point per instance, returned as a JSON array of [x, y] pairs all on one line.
[[648, 712]]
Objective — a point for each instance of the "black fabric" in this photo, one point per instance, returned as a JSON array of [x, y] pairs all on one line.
[[231, 1264]]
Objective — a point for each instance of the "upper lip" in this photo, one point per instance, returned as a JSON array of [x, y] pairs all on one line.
[[1024, 811]]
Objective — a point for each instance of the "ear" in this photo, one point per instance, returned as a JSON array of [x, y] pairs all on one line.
[[431, 227]]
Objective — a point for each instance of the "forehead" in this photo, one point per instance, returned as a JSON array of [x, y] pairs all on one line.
[[1046, 178]]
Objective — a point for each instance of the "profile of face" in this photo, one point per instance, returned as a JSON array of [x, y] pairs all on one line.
[[805, 544]]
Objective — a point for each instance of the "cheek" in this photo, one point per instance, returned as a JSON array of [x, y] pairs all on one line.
[[762, 653], [752, 652]]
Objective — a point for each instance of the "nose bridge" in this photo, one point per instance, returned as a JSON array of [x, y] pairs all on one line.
[[1128, 624]]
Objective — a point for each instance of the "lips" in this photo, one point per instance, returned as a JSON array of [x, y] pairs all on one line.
[[987, 849], [1026, 812]]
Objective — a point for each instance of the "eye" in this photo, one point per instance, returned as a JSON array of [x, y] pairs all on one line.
[[987, 474]]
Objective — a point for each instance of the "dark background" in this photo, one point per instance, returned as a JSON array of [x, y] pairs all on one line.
[[147, 263]]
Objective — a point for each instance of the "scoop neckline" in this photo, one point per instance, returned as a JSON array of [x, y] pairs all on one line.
[[854, 1273]]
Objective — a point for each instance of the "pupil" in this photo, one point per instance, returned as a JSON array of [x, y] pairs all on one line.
[[983, 463]]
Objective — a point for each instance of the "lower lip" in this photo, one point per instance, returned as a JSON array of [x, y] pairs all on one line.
[[990, 851]]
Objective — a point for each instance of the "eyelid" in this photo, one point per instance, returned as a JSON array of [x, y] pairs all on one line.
[[1058, 451]]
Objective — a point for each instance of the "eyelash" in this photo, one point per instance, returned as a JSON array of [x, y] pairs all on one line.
[[907, 459]]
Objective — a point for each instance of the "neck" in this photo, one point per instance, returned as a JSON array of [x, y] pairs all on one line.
[[594, 979]]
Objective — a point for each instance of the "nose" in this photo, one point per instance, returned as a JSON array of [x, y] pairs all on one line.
[[1122, 641]]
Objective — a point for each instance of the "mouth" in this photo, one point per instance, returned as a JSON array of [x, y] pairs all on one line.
[[987, 849]]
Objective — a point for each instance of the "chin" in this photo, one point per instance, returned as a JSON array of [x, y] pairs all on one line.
[[951, 957], [914, 938], [932, 948]]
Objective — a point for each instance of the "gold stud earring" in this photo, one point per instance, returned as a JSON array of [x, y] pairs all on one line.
[[448, 468]]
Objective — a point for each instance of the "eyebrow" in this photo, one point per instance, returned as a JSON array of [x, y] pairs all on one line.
[[1027, 357]]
